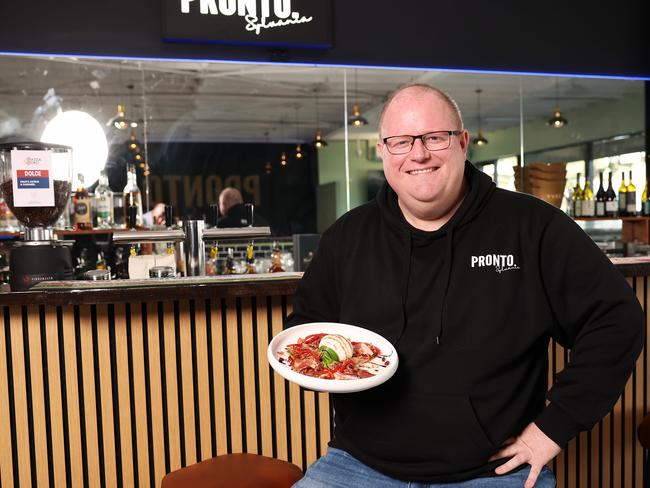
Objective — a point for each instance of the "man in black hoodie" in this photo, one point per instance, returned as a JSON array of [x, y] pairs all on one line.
[[469, 282]]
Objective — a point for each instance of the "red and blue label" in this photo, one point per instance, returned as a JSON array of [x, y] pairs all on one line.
[[33, 178]]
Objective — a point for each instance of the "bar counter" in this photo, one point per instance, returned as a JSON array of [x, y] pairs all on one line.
[[120, 383]]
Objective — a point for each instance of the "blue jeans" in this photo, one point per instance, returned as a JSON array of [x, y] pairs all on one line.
[[338, 469]]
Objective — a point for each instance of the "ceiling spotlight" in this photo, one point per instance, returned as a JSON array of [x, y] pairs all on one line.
[[319, 141], [268, 168], [298, 152], [357, 120], [283, 159], [119, 120], [557, 121]]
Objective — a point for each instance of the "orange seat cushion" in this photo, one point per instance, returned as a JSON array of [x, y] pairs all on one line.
[[235, 471]]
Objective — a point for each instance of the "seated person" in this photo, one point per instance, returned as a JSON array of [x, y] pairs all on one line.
[[233, 211]]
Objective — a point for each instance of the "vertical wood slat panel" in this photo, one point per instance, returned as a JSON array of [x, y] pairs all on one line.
[[202, 375], [220, 395], [638, 397], [155, 375], [6, 455], [266, 422], [124, 395], [73, 396], [324, 421], [310, 427], [90, 401], [173, 417], [20, 397], [56, 402], [140, 395], [106, 389], [187, 383], [38, 395], [278, 384], [233, 376], [250, 376]]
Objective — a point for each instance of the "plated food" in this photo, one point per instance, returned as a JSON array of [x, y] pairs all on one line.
[[333, 357]]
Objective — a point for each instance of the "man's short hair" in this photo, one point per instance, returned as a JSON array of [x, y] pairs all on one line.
[[230, 196], [450, 102]]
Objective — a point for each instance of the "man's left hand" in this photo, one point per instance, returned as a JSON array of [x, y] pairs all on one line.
[[532, 446]]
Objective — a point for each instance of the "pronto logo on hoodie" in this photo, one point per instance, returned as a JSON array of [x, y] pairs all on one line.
[[501, 262]]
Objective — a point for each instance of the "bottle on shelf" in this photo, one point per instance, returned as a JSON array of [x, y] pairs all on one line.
[[104, 203], [576, 200], [229, 266], [132, 196], [645, 203], [250, 259], [82, 207], [622, 197], [611, 204], [276, 259], [600, 198], [588, 204], [211, 264], [630, 196]]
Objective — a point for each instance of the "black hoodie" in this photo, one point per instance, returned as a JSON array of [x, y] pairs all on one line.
[[470, 309]]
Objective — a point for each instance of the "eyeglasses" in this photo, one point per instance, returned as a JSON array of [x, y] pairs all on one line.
[[432, 141]]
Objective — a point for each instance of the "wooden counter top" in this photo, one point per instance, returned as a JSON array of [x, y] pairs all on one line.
[[118, 291]]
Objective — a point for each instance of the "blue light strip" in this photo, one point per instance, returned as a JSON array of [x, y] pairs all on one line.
[[335, 65]]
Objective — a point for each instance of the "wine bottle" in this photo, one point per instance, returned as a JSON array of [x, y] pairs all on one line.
[[611, 205], [622, 197], [588, 209], [645, 203], [104, 203], [600, 198], [631, 197], [577, 199], [82, 206]]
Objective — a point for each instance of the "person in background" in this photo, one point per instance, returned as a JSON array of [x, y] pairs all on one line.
[[233, 210], [469, 282], [155, 216]]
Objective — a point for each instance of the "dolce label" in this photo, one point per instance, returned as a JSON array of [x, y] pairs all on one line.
[[32, 178]]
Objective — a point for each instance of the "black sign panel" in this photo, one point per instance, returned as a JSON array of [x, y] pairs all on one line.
[[284, 23]]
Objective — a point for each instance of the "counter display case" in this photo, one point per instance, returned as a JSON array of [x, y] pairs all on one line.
[[126, 381]]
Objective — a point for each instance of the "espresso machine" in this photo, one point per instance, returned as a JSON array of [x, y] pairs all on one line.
[[35, 181]]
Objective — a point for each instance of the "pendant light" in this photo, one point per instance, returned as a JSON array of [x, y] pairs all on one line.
[[298, 147], [557, 121], [480, 140], [319, 142], [356, 120], [119, 120], [283, 156]]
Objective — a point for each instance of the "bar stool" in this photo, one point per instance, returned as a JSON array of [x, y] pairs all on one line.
[[235, 471]]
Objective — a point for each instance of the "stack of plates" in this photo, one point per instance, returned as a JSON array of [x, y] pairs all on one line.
[[544, 180]]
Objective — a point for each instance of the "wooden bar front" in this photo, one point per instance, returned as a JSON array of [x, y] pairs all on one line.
[[118, 388]]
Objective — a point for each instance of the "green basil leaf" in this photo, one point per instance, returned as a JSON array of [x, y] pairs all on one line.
[[328, 356]]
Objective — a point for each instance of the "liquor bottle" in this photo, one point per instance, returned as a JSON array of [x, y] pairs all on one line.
[[276, 259], [600, 198], [577, 199], [211, 264], [588, 204], [611, 205], [631, 198], [229, 266], [645, 203], [250, 259], [622, 197], [132, 194], [104, 203], [82, 207]]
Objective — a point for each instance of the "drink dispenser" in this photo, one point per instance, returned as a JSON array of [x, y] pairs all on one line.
[[35, 181]]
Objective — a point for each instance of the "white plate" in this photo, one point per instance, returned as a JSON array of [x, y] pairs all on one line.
[[356, 334]]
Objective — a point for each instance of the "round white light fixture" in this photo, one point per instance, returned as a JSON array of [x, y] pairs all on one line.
[[85, 135]]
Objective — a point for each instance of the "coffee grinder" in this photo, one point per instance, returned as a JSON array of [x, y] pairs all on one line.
[[35, 180]]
